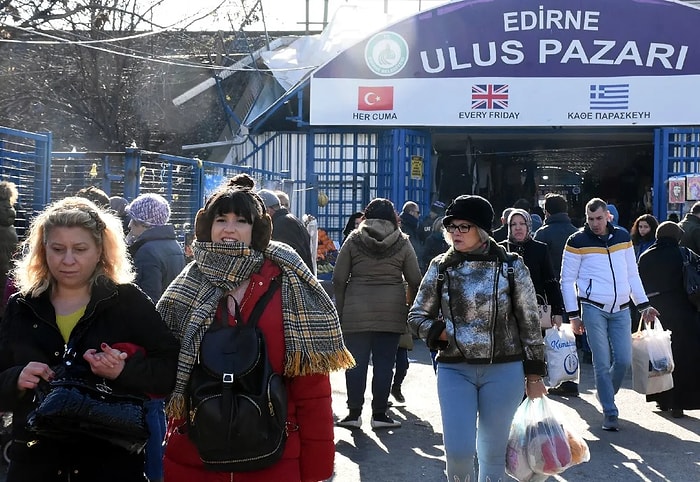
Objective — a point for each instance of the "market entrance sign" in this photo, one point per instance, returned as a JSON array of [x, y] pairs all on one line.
[[520, 63]]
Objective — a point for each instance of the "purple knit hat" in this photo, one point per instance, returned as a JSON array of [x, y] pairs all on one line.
[[149, 209]]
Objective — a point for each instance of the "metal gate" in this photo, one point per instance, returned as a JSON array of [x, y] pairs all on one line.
[[348, 169], [330, 173], [25, 159], [342, 175]]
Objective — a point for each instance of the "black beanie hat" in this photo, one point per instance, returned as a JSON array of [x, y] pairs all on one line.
[[470, 208]]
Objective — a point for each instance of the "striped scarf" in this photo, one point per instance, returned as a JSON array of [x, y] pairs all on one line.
[[312, 336]]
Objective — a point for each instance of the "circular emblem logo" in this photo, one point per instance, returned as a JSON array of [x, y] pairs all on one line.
[[386, 53], [571, 364]]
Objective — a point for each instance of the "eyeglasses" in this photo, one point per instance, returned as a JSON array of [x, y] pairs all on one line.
[[462, 228]]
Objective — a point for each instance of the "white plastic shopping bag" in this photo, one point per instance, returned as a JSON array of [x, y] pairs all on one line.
[[540, 444], [561, 355], [652, 359]]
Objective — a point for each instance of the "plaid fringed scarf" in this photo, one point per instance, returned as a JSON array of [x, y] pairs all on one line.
[[313, 340]]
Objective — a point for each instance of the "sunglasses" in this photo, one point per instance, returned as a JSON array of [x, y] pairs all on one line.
[[462, 228]]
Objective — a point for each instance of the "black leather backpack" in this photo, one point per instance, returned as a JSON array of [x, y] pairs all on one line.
[[237, 403]]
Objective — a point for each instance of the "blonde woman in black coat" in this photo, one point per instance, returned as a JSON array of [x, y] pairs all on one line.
[[76, 278]]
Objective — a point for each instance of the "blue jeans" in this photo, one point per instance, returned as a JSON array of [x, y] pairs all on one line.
[[382, 347], [609, 337], [477, 403], [155, 421], [401, 366]]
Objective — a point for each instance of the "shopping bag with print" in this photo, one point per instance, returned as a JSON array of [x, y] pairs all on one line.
[[561, 355]]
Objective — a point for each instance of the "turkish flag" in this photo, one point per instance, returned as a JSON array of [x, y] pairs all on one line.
[[375, 98]]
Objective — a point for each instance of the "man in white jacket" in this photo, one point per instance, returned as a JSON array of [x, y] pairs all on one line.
[[599, 272]]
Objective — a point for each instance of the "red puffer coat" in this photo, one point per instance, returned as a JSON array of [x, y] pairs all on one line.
[[309, 451]]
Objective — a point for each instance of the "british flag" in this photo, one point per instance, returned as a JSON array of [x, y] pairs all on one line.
[[490, 96]]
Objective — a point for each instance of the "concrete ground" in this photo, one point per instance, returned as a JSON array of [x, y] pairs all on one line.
[[651, 446]]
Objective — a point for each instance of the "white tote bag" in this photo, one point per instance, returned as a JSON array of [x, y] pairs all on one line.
[[561, 355], [652, 359]]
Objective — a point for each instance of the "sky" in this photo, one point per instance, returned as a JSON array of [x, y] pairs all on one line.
[[281, 14]]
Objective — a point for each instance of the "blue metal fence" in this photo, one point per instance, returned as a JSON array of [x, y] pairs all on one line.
[[327, 173], [25, 159], [342, 176], [183, 181]]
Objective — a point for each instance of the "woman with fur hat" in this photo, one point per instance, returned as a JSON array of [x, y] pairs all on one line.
[[661, 271], [235, 260], [368, 281], [488, 336]]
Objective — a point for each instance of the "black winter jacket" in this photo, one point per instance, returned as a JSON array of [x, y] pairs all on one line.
[[691, 235], [554, 232], [8, 243], [411, 226], [115, 313], [546, 281], [286, 228]]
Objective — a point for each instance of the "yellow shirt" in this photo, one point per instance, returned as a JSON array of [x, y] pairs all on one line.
[[66, 323]]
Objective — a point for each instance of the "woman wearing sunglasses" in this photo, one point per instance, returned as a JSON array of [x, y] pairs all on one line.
[[487, 333]]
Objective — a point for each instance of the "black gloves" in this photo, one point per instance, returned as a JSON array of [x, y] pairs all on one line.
[[433, 339]]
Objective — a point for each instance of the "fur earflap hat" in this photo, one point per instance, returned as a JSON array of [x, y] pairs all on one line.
[[149, 209], [470, 208]]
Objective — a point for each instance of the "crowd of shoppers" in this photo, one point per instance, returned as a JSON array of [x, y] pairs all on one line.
[[80, 274]]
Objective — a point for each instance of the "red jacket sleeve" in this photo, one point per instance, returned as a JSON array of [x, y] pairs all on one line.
[[312, 397]]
